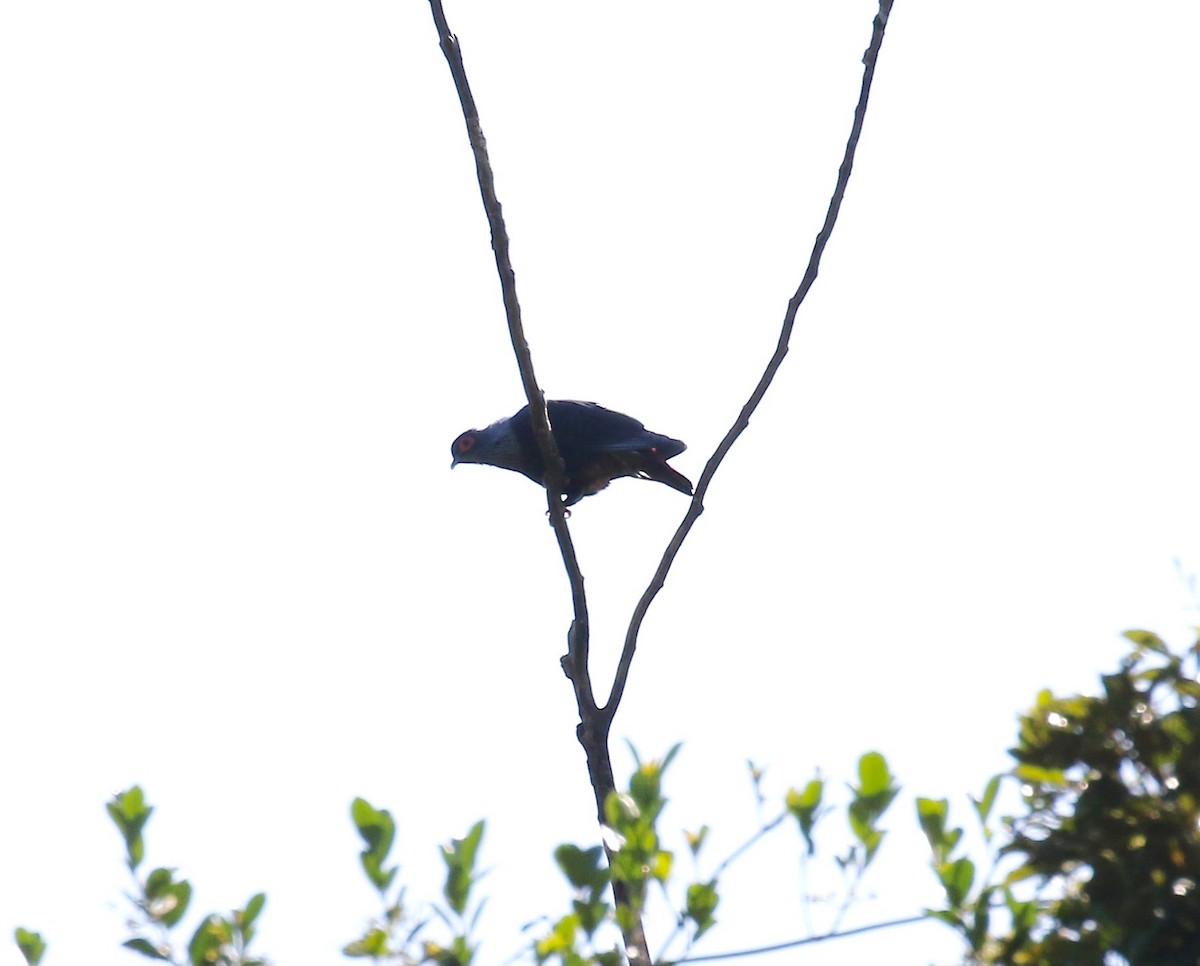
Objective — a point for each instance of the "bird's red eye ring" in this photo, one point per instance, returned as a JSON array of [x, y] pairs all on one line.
[[466, 443]]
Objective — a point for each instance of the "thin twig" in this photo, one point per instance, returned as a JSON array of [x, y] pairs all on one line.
[[764, 382], [593, 725], [851, 892], [748, 844], [733, 856], [713, 957]]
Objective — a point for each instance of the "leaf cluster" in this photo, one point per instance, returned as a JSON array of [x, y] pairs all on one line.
[[591, 932], [395, 935], [161, 900], [1108, 835], [1111, 785]]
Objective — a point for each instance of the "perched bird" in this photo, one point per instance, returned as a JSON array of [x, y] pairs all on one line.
[[596, 444]]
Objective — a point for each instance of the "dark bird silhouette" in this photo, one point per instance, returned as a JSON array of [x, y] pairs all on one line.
[[596, 444]]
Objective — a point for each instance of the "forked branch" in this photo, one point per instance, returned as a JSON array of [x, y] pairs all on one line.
[[596, 722]]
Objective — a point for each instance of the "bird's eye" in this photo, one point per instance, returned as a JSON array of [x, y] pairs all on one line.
[[466, 443]]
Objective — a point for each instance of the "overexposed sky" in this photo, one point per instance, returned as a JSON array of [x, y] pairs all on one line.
[[247, 301]]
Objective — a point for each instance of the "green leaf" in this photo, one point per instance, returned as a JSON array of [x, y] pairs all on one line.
[[378, 831], [695, 840], [949, 916], [956, 878], [157, 883], [174, 904], [983, 805], [1020, 874], [931, 813], [875, 794], [247, 916], [1024, 913], [130, 813], [582, 867], [205, 947], [645, 787], [467, 847], [873, 774], [660, 865], [629, 865], [458, 953], [560, 940], [805, 806], [31, 944], [702, 902], [459, 857], [1035, 774], [645, 784], [1187, 688], [1146, 641], [129, 809], [166, 900], [373, 944], [870, 837], [146, 948], [375, 825], [591, 914], [978, 933], [620, 810]]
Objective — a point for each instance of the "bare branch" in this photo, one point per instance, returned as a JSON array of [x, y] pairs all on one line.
[[593, 725], [764, 382], [578, 640]]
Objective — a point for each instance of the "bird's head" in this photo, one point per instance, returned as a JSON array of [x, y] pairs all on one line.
[[465, 449], [495, 446]]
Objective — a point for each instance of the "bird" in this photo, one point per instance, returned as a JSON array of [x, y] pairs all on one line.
[[597, 446]]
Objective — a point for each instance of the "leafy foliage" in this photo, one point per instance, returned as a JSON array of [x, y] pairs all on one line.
[[1111, 784], [1110, 831], [589, 933], [395, 935], [969, 910], [637, 858], [162, 900], [1101, 861]]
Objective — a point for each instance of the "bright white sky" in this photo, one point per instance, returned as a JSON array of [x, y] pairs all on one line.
[[248, 302]]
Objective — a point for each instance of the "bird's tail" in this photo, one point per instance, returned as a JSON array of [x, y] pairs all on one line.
[[659, 471]]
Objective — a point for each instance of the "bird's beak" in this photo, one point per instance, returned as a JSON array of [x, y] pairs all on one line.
[[453, 463]]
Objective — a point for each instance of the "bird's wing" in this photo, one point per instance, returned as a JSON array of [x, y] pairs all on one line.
[[590, 426]]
